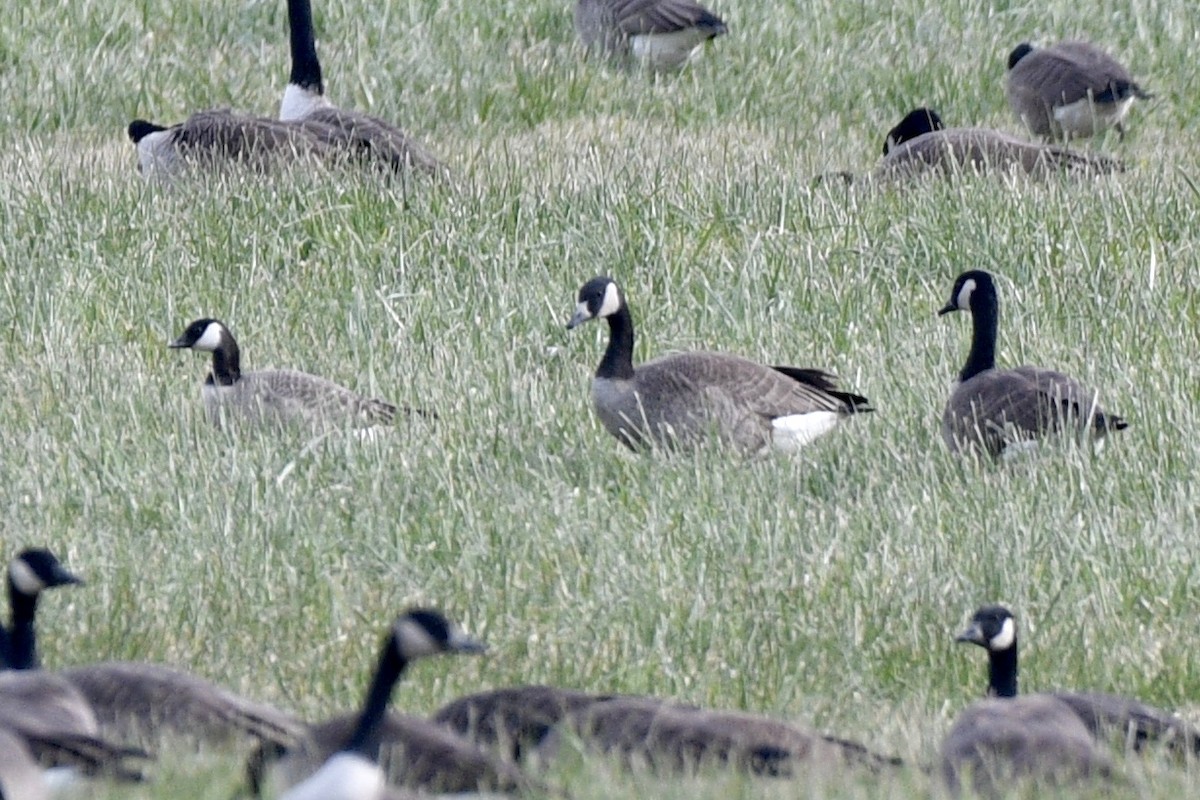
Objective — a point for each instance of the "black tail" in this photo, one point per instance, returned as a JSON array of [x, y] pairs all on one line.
[[819, 379]]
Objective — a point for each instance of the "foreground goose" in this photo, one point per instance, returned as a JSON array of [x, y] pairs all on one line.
[[273, 396], [680, 400], [1069, 90], [994, 629], [662, 34], [368, 136], [667, 737], [993, 409], [30, 573], [920, 143], [211, 138], [353, 771]]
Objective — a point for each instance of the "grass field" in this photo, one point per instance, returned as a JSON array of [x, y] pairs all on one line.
[[824, 588]]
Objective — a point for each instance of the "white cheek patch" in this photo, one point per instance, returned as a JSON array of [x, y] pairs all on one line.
[[24, 578], [963, 301], [612, 301], [211, 339], [1005, 638], [414, 641]]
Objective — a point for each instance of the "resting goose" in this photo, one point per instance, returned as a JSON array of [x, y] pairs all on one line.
[[368, 136], [680, 400], [1069, 90], [273, 396], [994, 409], [662, 34]]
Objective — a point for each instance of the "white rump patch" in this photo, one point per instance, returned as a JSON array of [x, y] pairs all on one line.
[[963, 301], [1086, 118], [667, 50], [1005, 638], [795, 431], [211, 339], [24, 578], [612, 301], [345, 776], [414, 641], [298, 103]]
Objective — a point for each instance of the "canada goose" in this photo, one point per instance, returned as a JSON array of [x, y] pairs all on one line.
[[215, 137], [29, 573], [304, 99], [994, 629], [677, 400], [668, 737], [353, 771], [994, 409], [512, 720], [921, 143], [273, 396], [662, 34], [1069, 90]]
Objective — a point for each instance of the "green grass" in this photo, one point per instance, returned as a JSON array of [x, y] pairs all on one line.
[[824, 588]]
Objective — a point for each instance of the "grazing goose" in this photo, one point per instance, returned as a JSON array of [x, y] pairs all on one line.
[[273, 396], [353, 771], [993, 409], [210, 138], [31, 572], [368, 136], [920, 143], [680, 399], [994, 629], [667, 737], [1069, 90], [662, 34]]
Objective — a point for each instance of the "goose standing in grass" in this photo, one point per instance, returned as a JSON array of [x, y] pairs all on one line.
[[30, 573], [209, 139], [921, 143], [994, 409], [995, 630], [1069, 90], [353, 772], [679, 400], [662, 34], [273, 396], [362, 134]]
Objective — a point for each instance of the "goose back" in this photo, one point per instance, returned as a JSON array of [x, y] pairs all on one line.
[[957, 150]]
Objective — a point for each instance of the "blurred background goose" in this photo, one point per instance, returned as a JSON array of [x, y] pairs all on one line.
[[368, 136], [273, 396], [662, 34], [1124, 719], [994, 409], [1069, 90], [210, 139], [921, 143], [30, 573], [353, 771], [679, 400]]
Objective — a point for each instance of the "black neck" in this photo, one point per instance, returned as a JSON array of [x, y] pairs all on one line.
[[617, 363], [226, 364], [365, 740], [306, 69], [985, 322], [1002, 672], [22, 639]]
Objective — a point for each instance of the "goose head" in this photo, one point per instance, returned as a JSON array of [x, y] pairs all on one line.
[[599, 297], [972, 290], [208, 335], [422, 632], [916, 123], [35, 570], [993, 628]]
